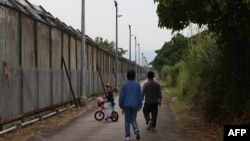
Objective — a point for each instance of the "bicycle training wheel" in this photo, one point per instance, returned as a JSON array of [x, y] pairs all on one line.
[[114, 116], [99, 115]]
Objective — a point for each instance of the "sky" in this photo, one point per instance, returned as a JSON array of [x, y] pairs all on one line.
[[100, 21]]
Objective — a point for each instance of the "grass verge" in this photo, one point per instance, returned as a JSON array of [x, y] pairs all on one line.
[[189, 121]]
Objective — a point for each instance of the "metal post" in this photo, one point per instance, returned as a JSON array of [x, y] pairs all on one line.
[[142, 65], [129, 46], [83, 99], [135, 57], [116, 48], [139, 67], [70, 84]]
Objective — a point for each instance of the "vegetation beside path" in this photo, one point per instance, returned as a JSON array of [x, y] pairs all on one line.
[[189, 121]]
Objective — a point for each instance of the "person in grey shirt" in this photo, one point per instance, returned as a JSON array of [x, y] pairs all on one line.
[[151, 95]]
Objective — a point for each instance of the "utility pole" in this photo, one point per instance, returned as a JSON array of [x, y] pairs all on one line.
[[129, 46], [83, 99], [116, 48], [139, 67], [135, 56]]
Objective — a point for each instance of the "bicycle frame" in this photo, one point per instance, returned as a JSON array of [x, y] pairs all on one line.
[[102, 113]]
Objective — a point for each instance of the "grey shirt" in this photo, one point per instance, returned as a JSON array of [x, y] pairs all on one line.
[[151, 91]]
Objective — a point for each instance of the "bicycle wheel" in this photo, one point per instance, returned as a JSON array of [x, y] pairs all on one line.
[[99, 115], [114, 116]]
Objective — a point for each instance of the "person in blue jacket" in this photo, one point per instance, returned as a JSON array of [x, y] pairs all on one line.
[[130, 100]]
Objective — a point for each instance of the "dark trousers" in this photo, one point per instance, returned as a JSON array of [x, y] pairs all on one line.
[[150, 112]]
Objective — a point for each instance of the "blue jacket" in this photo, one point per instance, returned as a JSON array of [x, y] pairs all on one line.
[[130, 95]]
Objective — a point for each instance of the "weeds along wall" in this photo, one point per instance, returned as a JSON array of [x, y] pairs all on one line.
[[32, 77]]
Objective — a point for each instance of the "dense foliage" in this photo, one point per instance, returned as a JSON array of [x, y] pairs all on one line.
[[219, 15], [171, 52], [222, 67], [109, 46]]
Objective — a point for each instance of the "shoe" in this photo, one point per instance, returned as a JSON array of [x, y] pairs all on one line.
[[107, 118], [137, 135], [152, 129], [127, 138], [150, 125]]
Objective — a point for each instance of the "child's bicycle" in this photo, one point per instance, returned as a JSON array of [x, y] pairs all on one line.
[[99, 115]]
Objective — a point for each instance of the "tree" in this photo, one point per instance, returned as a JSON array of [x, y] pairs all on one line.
[[229, 20], [171, 52], [109, 46]]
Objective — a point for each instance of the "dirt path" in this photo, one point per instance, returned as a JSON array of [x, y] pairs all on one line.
[[75, 125], [85, 127]]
